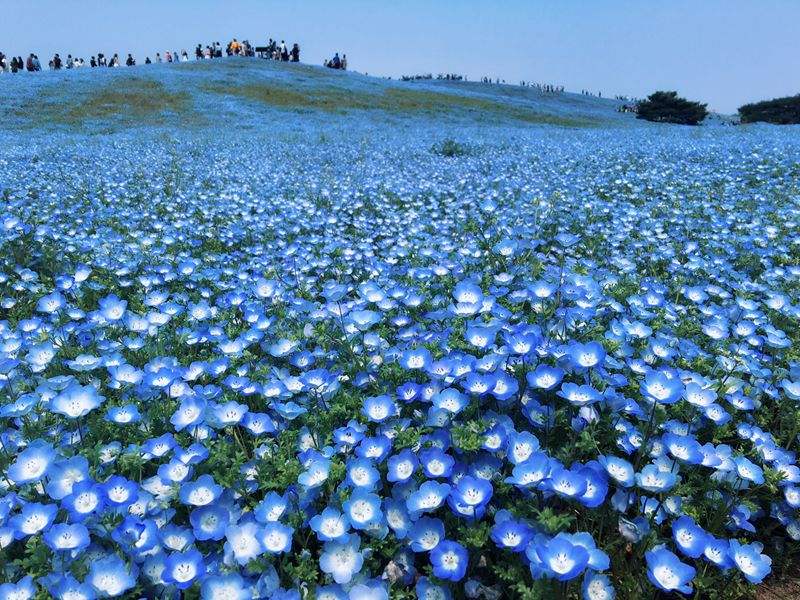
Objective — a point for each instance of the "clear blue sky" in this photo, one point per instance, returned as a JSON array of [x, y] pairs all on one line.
[[724, 52]]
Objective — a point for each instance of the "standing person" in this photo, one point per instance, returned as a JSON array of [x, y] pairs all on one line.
[[93, 62], [37, 65], [56, 62], [70, 63], [198, 52], [14, 67], [168, 56], [295, 53], [129, 61], [344, 62], [158, 58], [29, 63]]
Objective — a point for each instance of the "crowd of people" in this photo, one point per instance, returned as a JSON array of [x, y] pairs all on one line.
[[336, 62], [273, 50], [440, 77]]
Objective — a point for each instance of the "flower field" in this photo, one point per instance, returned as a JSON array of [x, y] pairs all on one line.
[[411, 352]]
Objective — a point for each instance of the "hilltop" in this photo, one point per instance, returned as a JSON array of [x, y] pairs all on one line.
[[243, 93]]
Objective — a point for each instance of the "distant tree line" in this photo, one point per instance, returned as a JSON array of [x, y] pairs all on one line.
[[780, 111]]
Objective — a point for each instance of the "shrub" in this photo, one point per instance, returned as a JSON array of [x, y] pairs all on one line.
[[668, 107], [780, 111], [450, 149]]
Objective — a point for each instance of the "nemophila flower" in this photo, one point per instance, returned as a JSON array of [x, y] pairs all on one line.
[[661, 388], [51, 303], [111, 577], [472, 492], [64, 474], [416, 358], [24, 589], [362, 474], [371, 590], [619, 469], [562, 559], [362, 509], [32, 463], [718, 552], [667, 572], [749, 471], [65, 537], [112, 308], [511, 535], [545, 377], [226, 415], [190, 412], [32, 519], [427, 590], [229, 586], [69, 588], [430, 496], [654, 480], [597, 587], [579, 395], [683, 447], [76, 401], [690, 538], [379, 408], [200, 492], [123, 415], [330, 525], [315, 474], [209, 522], [531, 471], [468, 297], [276, 537], [271, 508], [120, 491], [520, 446], [244, 542], [341, 559], [182, 569], [596, 486], [566, 483], [86, 499], [451, 400], [588, 355], [436, 463], [449, 560], [748, 558]]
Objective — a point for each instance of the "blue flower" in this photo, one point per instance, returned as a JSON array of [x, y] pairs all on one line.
[[64, 537], [201, 492], [276, 538], [667, 573], [690, 538], [597, 587], [341, 559], [330, 525], [209, 522], [430, 496], [748, 558], [76, 401], [363, 509], [110, 576], [654, 480], [230, 586], [449, 560], [182, 569], [562, 559]]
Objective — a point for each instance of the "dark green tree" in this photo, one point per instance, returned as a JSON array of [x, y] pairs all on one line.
[[668, 107], [780, 111]]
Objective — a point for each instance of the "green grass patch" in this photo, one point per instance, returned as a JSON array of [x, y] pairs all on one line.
[[123, 103], [333, 99]]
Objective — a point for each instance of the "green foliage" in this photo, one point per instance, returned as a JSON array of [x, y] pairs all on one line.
[[668, 107], [450, 148], [779, 111]]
